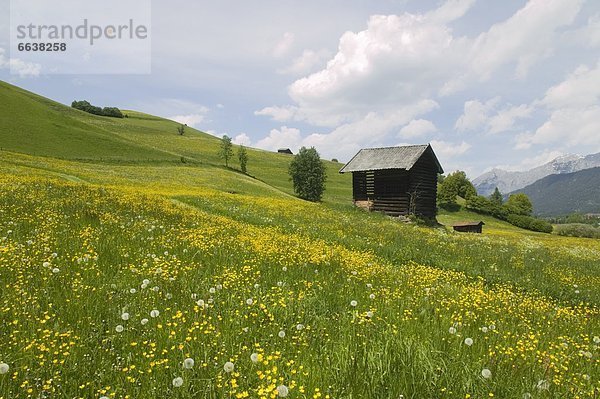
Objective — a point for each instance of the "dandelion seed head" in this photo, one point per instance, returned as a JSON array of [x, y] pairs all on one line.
[[254, 357], [372, 296], [212, 290], [369, 314], [228, 367], [543, 385], [4, 368], [452, 330], [146, 282], [484, 329], [188, 363], [55, 270], [154, 313], [256, 286], [125, 316], [144, 322], [282, 391], [299, 327], [281, 334], [249, 301], [597, 339], [119, 328], [200, 303], [177, 382], [468, 341], [353, 303], [132, 291], [284, 269], [219, 286], [46, 264], [486, 373]]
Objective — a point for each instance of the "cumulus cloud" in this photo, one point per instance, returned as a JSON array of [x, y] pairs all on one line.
[[574, 112], [417, 128], [242, 139], [18, 66], [284, 45], [306, 63], [285, 137], [487, 118], [446, 150]]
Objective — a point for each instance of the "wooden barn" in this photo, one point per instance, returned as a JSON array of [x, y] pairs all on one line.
[[285, 151], [468, 227], [395, 180]]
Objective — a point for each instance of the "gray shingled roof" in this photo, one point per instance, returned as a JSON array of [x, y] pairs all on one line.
[[387, 158]]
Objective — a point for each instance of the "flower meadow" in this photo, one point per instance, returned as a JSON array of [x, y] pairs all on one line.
[[115, 292]]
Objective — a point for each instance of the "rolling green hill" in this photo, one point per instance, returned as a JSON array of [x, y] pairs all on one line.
[[127, 273], [562, 194]]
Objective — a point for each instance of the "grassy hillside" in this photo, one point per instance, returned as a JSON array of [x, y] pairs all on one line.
[[557, 195], [113, 272]]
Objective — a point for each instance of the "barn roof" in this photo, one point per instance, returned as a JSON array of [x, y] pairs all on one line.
[[403, 157]]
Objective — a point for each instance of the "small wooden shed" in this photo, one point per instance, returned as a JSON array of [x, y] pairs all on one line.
[[285, 151], [395, 180], [468, 227]]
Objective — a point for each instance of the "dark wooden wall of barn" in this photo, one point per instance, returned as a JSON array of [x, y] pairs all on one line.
[[400, 192]]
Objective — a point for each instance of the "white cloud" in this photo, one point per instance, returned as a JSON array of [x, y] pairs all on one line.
[[242, 139], [446, 150], [284, 45], [18, 66], [190, 120], [280, 114], [306, 63], [574, 112], [587, 36], [417, 128], [475, 114], [285, 137], [487, 118], [525, 38]]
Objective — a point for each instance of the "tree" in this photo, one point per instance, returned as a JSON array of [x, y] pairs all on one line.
[[243, 158], [181, 130], [496, 197], [519, 204], [308, 174], [455, 184], [226, 149]]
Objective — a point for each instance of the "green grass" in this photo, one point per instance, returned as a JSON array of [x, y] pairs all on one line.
[[80, 232]]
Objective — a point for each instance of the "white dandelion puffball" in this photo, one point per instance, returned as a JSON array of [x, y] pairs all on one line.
[[280, 283], [194, 296], [353, 303], [281, 334], [154, 313], [4, 368], [219, 286], [104, 397], [249, 301], [55, 270], [132, 291], [543, 385], [212, 290], [144, 322], [200, 303], [282, 391], [492, 327], [125, 316], [155, 289], [188, 363], [245, 329], [486, 373], [372, 296], [228, 367], [46, 264], [169, 296], [468, 341], [597, 340], [299, 327], [284, 269], [119, 328], [256, 286], [177, 382], [369, 314], [254, 357], [146, 281], [484, 329], [452, 330], [143, 286], [526, 395], [369, 285]]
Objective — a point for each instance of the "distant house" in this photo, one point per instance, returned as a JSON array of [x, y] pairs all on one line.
[[285, 151], [468, 227], [395, 180]]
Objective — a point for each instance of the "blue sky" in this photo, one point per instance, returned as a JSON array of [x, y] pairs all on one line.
[[489, 83]]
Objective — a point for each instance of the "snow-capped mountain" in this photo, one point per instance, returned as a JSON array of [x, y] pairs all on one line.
[[510, 181]]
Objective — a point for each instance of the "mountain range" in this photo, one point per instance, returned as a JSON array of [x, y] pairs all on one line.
[[508, 181], [561, 194]]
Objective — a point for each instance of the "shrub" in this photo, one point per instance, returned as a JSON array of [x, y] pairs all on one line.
[[91, 109], [455, 184], [578, 230], [308, 174], [529, 223], [226, 149], [519, 204]]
